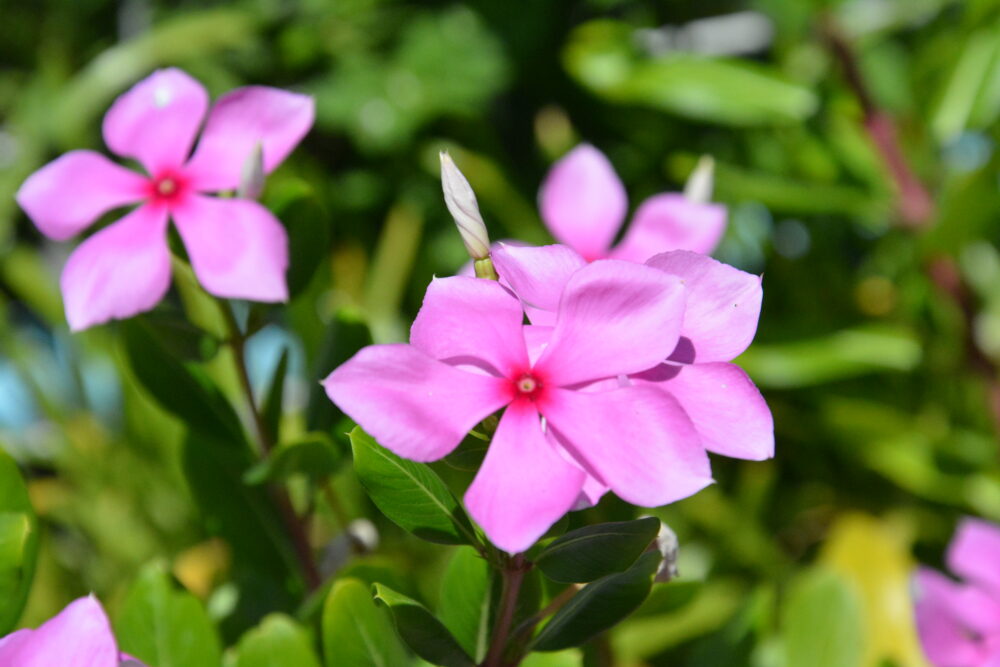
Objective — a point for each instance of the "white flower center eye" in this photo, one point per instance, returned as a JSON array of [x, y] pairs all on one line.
[[527, 384], [166, 187]]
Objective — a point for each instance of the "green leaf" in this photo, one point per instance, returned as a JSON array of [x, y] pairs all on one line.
[[271, 408], [18, 544], [409, 493], [599, 605], [466, 601], [278, 641], [602, 56], [308, 226], [315, 455], [347, 334], [822, 622], [421, 630], [356, 631], [183, 390], [164, 626], [593, 552]]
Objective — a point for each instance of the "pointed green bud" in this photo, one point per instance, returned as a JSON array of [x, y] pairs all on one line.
[[701, 181], [462, 205]]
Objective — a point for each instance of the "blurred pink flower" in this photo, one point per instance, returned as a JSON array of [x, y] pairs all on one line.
[[583, 203], [959, 623], [238, 249], [470, 355], [718, 323], [80, 635]]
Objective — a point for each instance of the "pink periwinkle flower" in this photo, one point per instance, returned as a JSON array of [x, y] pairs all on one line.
[[959, 623], [470, 355], [238, 249], [78, 636], [583, 203], [718, 323]]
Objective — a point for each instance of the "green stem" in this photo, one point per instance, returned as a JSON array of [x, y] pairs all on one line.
[[513, 576], [296, 530]]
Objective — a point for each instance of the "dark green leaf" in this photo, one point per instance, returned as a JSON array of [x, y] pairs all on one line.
[[18, 543], [410, 493], [271, 408], [421, 630], [308, 225], [315, 455], [466, 601], [356, 631], [164, 626], [591, 552], [599, 605], [183, 390], [277, 642], [347, 334]]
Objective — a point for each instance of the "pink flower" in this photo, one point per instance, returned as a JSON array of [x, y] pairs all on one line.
[[470, 355], [959, 623], [237, 248], [719, 322], [80, 635], [583, 203]]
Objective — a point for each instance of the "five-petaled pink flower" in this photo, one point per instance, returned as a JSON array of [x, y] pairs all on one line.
[[583, 203], [80, 635], [718, 323], [959, 623], [470, 354], [238, 249]]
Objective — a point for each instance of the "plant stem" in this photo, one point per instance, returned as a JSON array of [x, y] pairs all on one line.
[[554, 605], [513, 576], [265, 443]]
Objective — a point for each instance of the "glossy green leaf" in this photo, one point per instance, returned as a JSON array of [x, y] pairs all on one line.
[[271, 407], [466, 601], [409, 493], [599, 605], [357, 632], [314, 455], [591, 552], [184, 390], [164, 626], [18, 543], [822, 621], [277, 642], [601, 55], [421, 631]]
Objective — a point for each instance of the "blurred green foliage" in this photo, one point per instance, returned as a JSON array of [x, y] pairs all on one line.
[[878, 348]]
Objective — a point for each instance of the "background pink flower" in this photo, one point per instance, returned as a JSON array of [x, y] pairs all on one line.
[[583, 203], [469, 357], [238, 249], [959, 623], [79, 636]]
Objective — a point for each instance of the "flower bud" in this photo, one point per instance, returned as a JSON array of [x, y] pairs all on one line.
[[252, 177], [699, 184], [462, 205]]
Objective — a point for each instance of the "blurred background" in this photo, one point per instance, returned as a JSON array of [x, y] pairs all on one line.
[[855, 145]]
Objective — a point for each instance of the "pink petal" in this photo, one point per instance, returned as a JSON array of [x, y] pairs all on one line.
[[524, 485], [72, 191], [238, 249], [79, 635], [671, 221], [413, 404], [591, 494], [974, 553], [121, 270], [583, 201], [156, 120], [276, 119], [945, 639], [615, 318], [637, 440], [537, 275], [726, 408], [723, 305], [536, 337], [471, 321]]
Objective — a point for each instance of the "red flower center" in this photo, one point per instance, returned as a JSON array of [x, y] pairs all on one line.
[[167, 188], [528, 386]]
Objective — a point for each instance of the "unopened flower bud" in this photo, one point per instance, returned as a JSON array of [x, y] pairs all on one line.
[[701, 181], [252, 177], [462, 205]]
